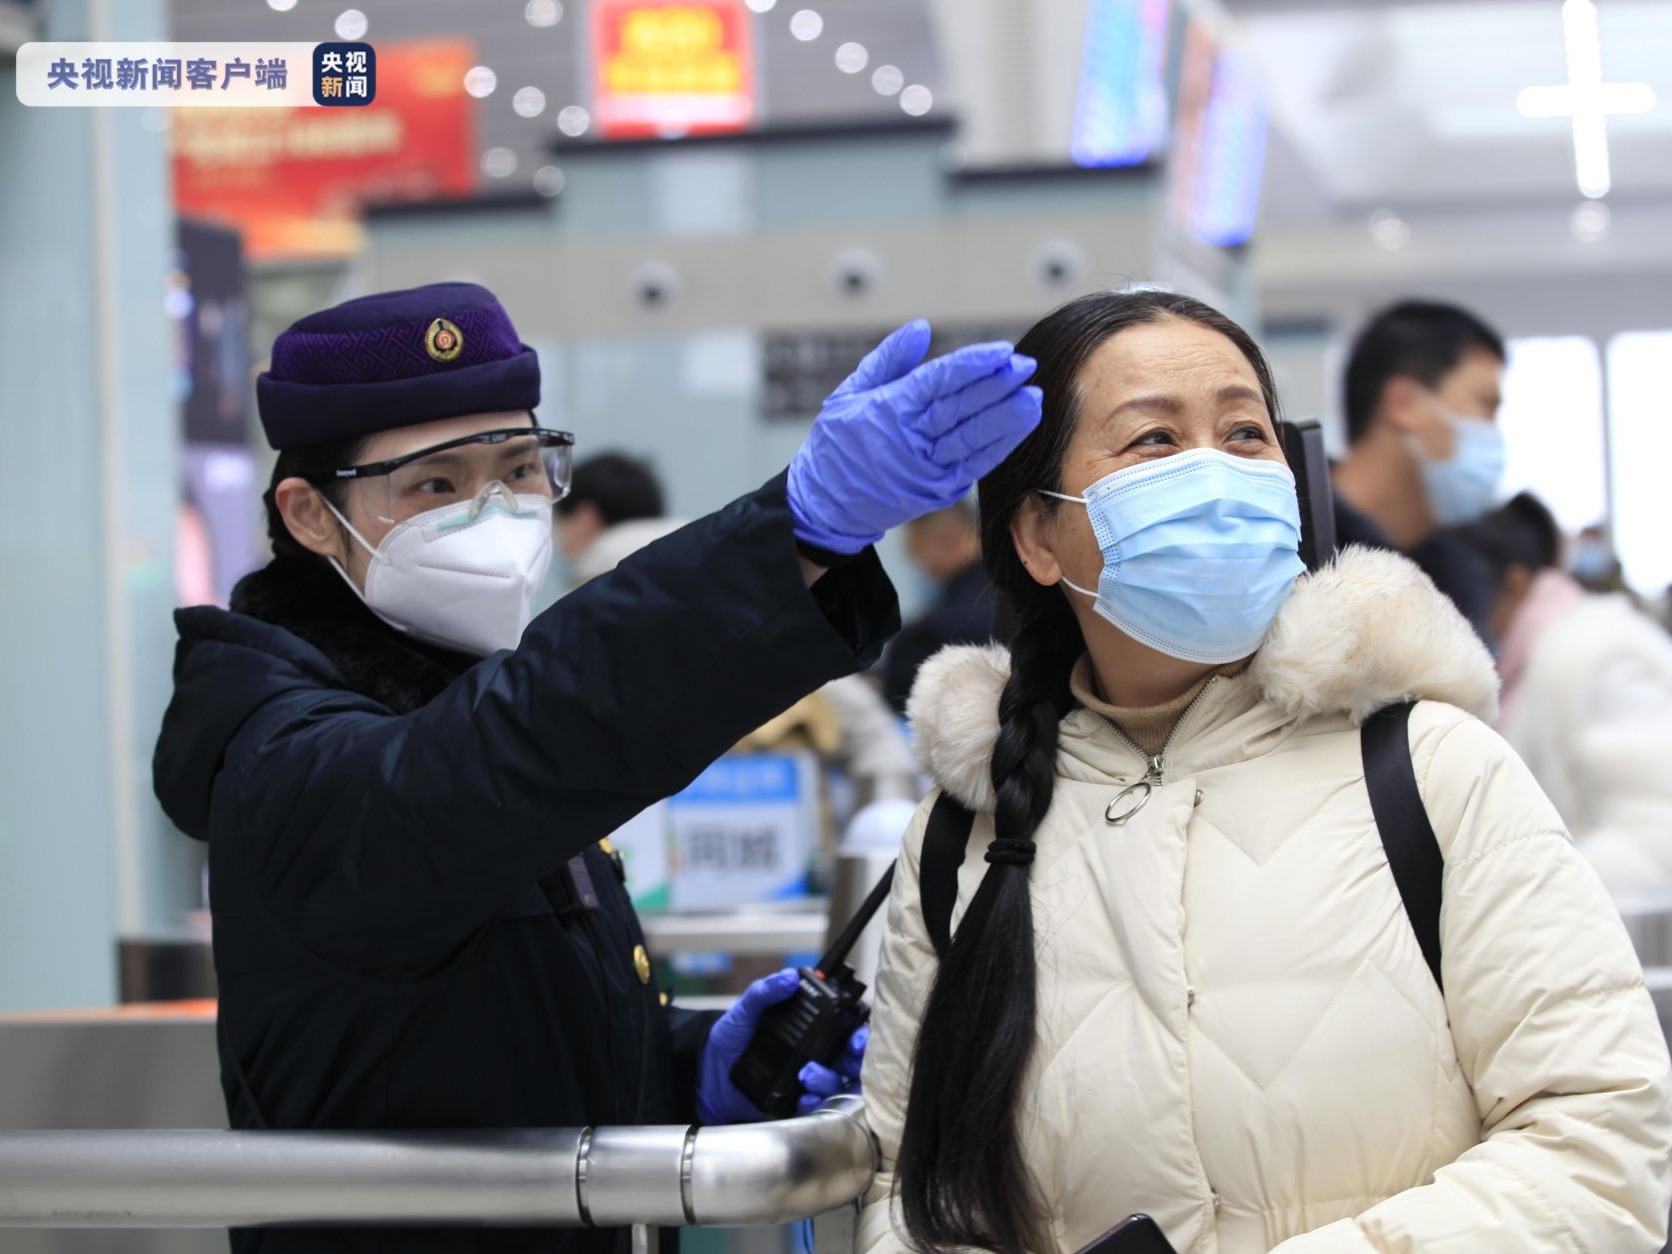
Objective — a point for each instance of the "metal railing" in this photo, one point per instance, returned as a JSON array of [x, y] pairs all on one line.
[[746, 1174]]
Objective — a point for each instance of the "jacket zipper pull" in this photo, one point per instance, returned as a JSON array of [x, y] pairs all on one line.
[[1132, 798]]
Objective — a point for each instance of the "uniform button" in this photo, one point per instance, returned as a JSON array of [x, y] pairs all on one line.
[[664, 998], [1217, 1200], [641, 964], [607, 845], [1198, 799], [1189, 996]]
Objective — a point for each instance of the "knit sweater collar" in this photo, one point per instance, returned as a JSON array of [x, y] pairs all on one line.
[[1147, 726]]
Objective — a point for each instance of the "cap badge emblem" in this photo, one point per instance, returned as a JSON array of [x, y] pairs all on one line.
[[443, 341]]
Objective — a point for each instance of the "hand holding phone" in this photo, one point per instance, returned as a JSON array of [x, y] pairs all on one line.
[[1137, 1234]]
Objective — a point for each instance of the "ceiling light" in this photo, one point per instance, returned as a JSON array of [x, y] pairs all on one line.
[[1590, 126], [499, 163], [543, 13], [480, 81], [916, 100], [851, 58], [281, 6], [574, 121], [351, 24], [1585, 98], [1557, 101], [529, 102], [1389, 230], [806, 25], [887, 80], [761, 6], [1590, 221], [548, 180]]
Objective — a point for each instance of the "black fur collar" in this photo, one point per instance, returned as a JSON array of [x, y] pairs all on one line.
[[307, 598]]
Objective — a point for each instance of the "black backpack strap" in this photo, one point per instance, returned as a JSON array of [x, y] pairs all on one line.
[[1407, 836], [944, 842]]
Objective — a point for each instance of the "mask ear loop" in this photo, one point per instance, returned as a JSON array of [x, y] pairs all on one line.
[[338, 566], [348, 526], [1077, 500]]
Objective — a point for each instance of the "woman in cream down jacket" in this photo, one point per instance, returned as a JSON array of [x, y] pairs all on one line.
[[1217, 1012]]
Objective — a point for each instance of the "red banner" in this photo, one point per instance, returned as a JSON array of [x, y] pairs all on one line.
[[293, 180], [672, 67]]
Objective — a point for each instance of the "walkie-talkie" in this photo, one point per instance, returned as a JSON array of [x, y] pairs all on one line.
[[813, 1025]]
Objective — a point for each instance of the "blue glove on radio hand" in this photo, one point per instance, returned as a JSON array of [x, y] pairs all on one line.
[[718, 1100], [902, 438], [821, 1082]]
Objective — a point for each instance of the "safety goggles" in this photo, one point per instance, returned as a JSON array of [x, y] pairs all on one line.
[[528, 461]]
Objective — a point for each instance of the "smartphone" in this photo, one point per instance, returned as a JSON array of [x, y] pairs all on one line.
[[1137, 1234], [1303, 445]]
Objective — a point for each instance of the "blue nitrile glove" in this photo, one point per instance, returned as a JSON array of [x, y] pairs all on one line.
[[902, 438], [821, 1082], [718, 1100]]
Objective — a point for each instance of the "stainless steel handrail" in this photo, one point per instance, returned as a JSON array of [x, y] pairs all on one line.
[[609, 1177]]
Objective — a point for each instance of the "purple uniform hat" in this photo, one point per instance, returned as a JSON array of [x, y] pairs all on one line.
[[394, 360]]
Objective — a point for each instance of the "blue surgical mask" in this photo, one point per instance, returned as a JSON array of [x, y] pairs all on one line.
[[1593, 561], [1200, 550], [1462, 488]]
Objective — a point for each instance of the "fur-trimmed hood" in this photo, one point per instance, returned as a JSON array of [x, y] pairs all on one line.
[[1363, 633]]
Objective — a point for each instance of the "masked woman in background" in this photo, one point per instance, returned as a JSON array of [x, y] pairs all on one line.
[[1180, 978], [1587, 697]]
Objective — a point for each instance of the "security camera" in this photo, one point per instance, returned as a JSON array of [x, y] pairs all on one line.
[[855, 272], [1058, 263], [654, 284]]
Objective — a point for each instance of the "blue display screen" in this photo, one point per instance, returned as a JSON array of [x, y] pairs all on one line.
[[1231, 154], [1120, 106], [1219, 151]]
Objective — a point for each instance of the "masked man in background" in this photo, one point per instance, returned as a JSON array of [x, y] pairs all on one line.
[[1424, 383]]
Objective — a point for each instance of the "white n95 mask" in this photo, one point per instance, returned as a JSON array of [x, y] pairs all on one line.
[[463, 576], [1200, 550]]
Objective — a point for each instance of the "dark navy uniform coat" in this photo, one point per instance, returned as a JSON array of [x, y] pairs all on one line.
[[401, 937]]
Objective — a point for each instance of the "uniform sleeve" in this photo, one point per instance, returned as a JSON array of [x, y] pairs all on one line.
[[1553, 1028], [387, 840], [904, 974]]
